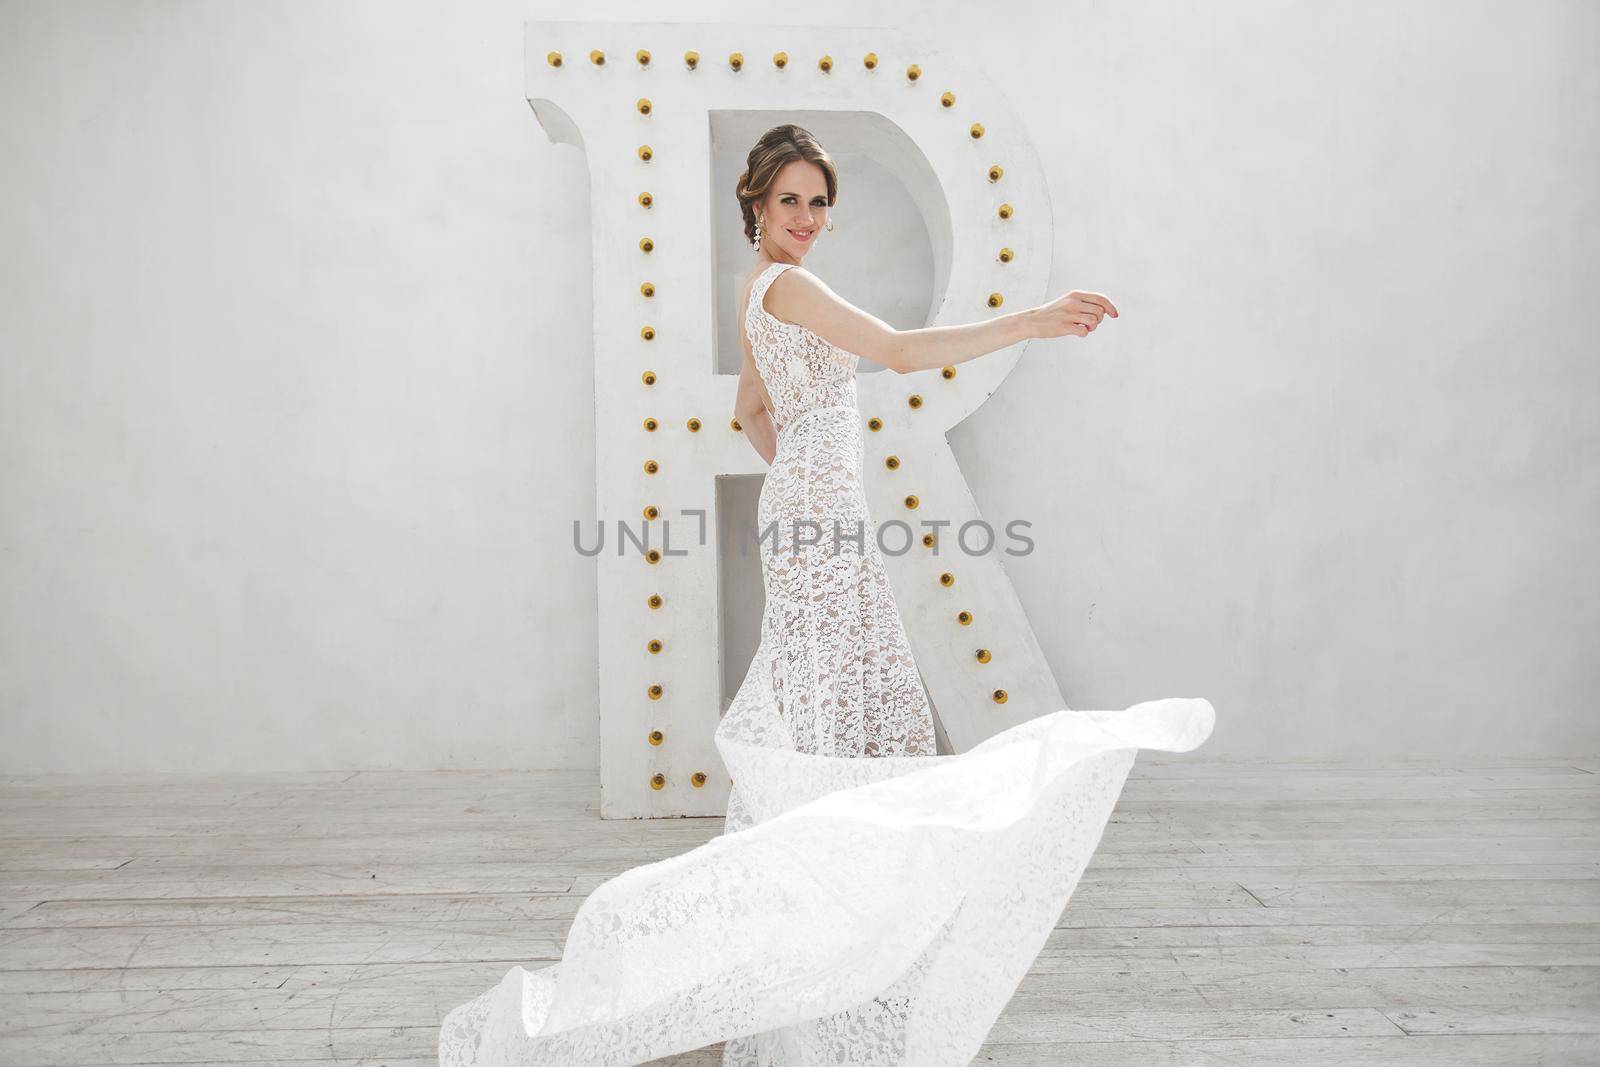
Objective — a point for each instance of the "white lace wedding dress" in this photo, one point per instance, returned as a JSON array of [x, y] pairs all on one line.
[[869, 901]]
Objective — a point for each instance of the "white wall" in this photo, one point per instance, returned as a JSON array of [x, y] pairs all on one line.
[[296, 407]]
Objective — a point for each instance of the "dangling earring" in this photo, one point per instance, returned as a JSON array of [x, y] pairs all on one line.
[[755, 242]]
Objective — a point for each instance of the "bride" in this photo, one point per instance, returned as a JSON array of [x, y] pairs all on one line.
[[869, 901]]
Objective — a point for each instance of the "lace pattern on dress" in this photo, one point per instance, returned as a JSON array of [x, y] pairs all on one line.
[[839, 670], [800, 370]]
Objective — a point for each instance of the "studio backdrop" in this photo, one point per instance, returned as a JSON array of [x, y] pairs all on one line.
[[354, 360]]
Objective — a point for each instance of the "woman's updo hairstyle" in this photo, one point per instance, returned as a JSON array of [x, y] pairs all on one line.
[[777, 148]]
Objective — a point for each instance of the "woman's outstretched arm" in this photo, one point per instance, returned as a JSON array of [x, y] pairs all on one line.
[[800, 297]]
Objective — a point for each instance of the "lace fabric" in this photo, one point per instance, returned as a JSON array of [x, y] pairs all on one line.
[[842, 677], [801, 371], [869, 901]]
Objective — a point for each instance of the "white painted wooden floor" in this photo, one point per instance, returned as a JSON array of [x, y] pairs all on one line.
[[1290, 914]]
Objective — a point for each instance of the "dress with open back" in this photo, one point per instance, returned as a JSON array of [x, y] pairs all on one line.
[[869, 901]]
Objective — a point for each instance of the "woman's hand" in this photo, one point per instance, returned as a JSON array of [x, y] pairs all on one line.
[[1072, 315]]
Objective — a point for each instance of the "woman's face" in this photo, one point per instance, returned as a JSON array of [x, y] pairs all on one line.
[[796, 209]]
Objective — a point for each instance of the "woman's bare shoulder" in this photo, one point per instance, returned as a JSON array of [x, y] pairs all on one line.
[[796, 294]]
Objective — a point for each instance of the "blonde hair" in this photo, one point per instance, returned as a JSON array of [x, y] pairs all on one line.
[[777, 148]]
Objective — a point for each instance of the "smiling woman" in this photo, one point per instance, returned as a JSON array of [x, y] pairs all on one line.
[[788, 187]]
